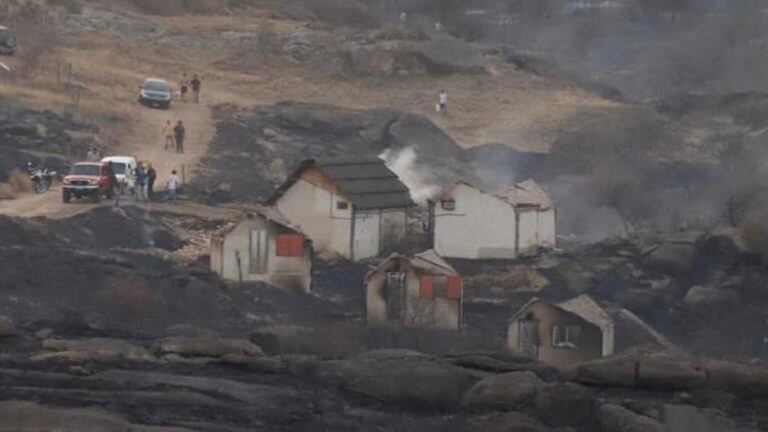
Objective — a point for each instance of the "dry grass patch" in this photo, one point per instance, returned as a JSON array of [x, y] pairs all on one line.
[[19, 181]]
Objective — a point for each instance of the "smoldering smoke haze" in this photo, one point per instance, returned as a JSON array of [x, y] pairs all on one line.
[[647, 49]]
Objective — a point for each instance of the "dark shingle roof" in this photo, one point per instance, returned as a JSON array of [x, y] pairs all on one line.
[[368, 183]]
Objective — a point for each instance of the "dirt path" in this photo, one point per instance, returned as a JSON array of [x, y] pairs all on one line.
[[146, 144]]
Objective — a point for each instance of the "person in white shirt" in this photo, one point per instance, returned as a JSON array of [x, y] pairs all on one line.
[[442, 100], [173, 184]]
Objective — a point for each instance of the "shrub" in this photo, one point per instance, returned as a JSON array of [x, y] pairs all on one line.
[[19, 181]]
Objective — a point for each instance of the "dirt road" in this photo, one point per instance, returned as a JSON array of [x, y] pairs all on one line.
[[146, 143]]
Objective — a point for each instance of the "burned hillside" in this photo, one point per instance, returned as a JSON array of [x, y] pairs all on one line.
[[136, 337], [253, 151], [40, 137]]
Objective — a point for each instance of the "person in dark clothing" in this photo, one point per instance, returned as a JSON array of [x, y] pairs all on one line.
[[117, 188], [179, 132], [196, 84], [151, 176]]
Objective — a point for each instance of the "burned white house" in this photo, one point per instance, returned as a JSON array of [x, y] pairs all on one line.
[[466, 222], [353, 208], [263, 247], [577, 330], [421, 290]]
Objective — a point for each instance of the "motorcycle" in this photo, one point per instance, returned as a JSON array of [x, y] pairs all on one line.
[[41, 178]]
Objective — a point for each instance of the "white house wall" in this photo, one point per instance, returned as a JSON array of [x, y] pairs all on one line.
[[480, 227], [367, 229], [314, 210], [547, 233], [285, 272], [528, 231]]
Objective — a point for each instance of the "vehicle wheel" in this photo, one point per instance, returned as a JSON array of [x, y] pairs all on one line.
[[66, 196], [167, 106], [97, 196]]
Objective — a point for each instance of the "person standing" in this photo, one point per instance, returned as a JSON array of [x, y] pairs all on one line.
[[179, 132], [183, 86], [117, 187], [151, 177], [442, 100], [173, 184], [168, 135], [196, 86], [141, 183]]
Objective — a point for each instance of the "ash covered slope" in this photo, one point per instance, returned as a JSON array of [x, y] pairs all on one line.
[[254, 150]]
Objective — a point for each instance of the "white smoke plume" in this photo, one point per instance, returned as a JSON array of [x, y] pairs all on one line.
[[403, 163]]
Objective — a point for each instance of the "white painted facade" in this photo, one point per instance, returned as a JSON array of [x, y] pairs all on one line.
[[248, 253], [316, 212], [469, 223], [335, 226], [479, 226]]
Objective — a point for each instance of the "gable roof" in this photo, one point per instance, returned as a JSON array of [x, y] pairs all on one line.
[[429, 260], [525, 193], [271, 214], [519, 194], [367, 183]]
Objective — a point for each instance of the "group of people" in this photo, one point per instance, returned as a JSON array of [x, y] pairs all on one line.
[[185, 84], [174, 136], [145, 177]]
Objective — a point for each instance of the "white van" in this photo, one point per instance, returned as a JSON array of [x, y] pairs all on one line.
[[125, 169]]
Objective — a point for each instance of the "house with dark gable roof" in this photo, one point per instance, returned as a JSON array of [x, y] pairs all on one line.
[[355, 208]]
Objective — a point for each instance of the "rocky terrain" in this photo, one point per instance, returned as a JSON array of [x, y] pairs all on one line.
[[111, 320], [137, 337]]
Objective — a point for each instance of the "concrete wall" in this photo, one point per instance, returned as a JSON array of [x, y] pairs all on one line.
[[366, 238], [528, 231], [547, 231], [591, 339], [438, 313], [312, 205], [285, 272], [480, 227]]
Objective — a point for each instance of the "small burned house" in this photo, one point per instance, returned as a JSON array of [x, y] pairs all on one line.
[[353, 208], [577, 330], [263, 247], [414, 291], [466, 222]]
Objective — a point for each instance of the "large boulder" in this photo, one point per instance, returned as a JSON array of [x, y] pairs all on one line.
[[504, 422], [685, 418], [92, 350], [610, 372], [28, 416], [509, 391], [283, 339], [562, 404], [444, 56], [207, 346], [648, 371], [411, 380], [744, 380], [616, 418]]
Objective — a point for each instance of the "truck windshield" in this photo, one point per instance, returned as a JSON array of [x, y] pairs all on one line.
[[86, 170]]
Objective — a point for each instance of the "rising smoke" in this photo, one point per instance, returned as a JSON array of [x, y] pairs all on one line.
[[403, 163]]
